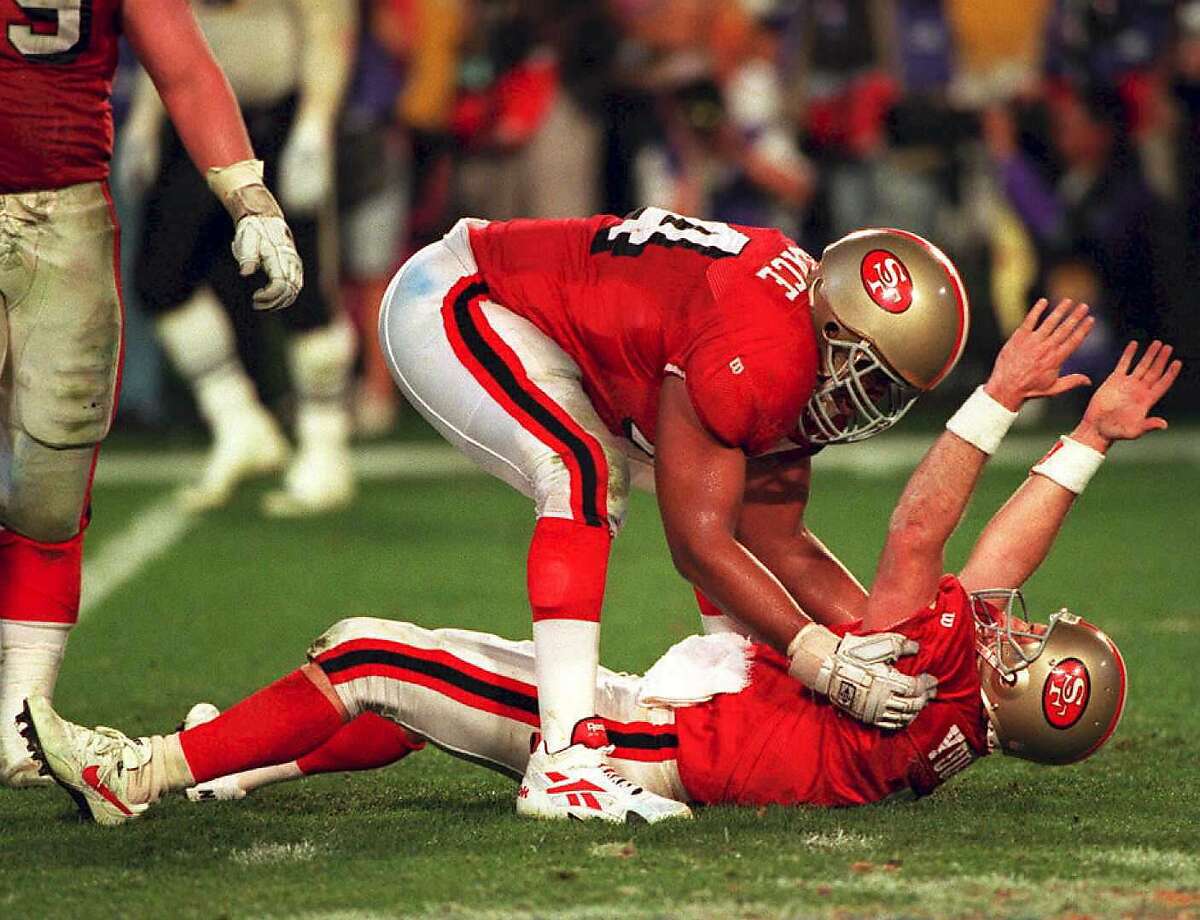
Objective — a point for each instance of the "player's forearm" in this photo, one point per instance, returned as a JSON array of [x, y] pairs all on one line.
[[167, 40], [329, 28], [1018, 538], [731, 576], [818, 582], [207, 118], [936, 496]]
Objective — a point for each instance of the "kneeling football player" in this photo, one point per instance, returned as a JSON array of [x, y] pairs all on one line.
[[564, 357], [705, 725]]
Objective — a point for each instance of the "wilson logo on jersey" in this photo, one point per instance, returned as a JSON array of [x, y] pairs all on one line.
[[887, 280], [1066, 692], [952, 755]]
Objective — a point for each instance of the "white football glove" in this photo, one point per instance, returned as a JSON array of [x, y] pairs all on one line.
[[855, 672], [261, 238], [306, 167]]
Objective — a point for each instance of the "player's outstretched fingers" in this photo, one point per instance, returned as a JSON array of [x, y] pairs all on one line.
[[1160, 363], [1143, 366], [1126, 359], [1069, 325], [1163, 383], [1034, 316], [1060, 312], [1081, 332]]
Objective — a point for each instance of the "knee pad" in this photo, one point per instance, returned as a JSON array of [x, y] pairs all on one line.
[[321, 360], [44, 491], [198, 335], [356, 629], [552, 483], [65, 389]]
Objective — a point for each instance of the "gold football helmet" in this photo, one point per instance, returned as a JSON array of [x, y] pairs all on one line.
[[1054, 693], [891, 317]]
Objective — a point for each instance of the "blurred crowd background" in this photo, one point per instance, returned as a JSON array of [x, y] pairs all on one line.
[[1049, 146]]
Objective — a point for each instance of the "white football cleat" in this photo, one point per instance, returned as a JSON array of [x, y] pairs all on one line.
[[578, 783], [321, 477], [321, 480], [94, 766], [246, 445]]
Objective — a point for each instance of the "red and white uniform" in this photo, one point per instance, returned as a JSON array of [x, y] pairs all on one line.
[[539, 347], [58, 282], [56, 70], [777, 742], [773, 742]]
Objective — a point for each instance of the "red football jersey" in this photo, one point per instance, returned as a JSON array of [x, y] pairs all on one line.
[[725, 307], [56, 71], [777, 742]]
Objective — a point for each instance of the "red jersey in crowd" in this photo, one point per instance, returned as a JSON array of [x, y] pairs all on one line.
[[725, 307], [776, 742], [56, 73]]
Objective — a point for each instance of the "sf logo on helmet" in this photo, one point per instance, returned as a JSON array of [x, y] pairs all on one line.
[[887, 281], [1066, 692]]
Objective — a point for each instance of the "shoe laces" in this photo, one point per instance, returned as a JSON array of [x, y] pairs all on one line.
[[620, 781], [109, 743]]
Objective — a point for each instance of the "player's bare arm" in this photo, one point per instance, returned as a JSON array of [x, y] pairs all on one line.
[[771, 525], [1018, 537], [171, 47], [937, 493], [700, 484]]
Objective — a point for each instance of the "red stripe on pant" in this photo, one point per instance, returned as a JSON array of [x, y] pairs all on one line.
[[425, 654], [589, 505]]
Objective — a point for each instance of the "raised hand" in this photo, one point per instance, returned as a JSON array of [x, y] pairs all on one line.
[[1028, 364], [1119, 409]]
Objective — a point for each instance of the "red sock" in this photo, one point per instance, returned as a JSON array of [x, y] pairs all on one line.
[[39, 582], [566, 569], [276, 725], [364, 743]]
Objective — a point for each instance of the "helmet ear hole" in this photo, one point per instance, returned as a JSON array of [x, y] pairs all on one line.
[[832, 329]]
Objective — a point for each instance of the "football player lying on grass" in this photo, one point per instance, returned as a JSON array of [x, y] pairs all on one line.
[[719, 719]]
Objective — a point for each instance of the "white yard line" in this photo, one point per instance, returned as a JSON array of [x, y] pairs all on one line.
[[148, 535]]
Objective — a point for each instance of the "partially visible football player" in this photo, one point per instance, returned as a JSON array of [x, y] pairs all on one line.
[[60, 340], [558, 355], [719, 720], [289, 62]]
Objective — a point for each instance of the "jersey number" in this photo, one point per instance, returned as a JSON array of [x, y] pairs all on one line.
[[656, 227], [57, 30]]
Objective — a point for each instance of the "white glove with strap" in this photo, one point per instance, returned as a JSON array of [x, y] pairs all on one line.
[[261, 238], [855, 672]]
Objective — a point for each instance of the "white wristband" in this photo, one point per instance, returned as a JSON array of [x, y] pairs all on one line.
[[981, 421], [1070, 464]]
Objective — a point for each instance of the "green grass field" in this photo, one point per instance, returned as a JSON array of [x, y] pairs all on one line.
[[234, 603]]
